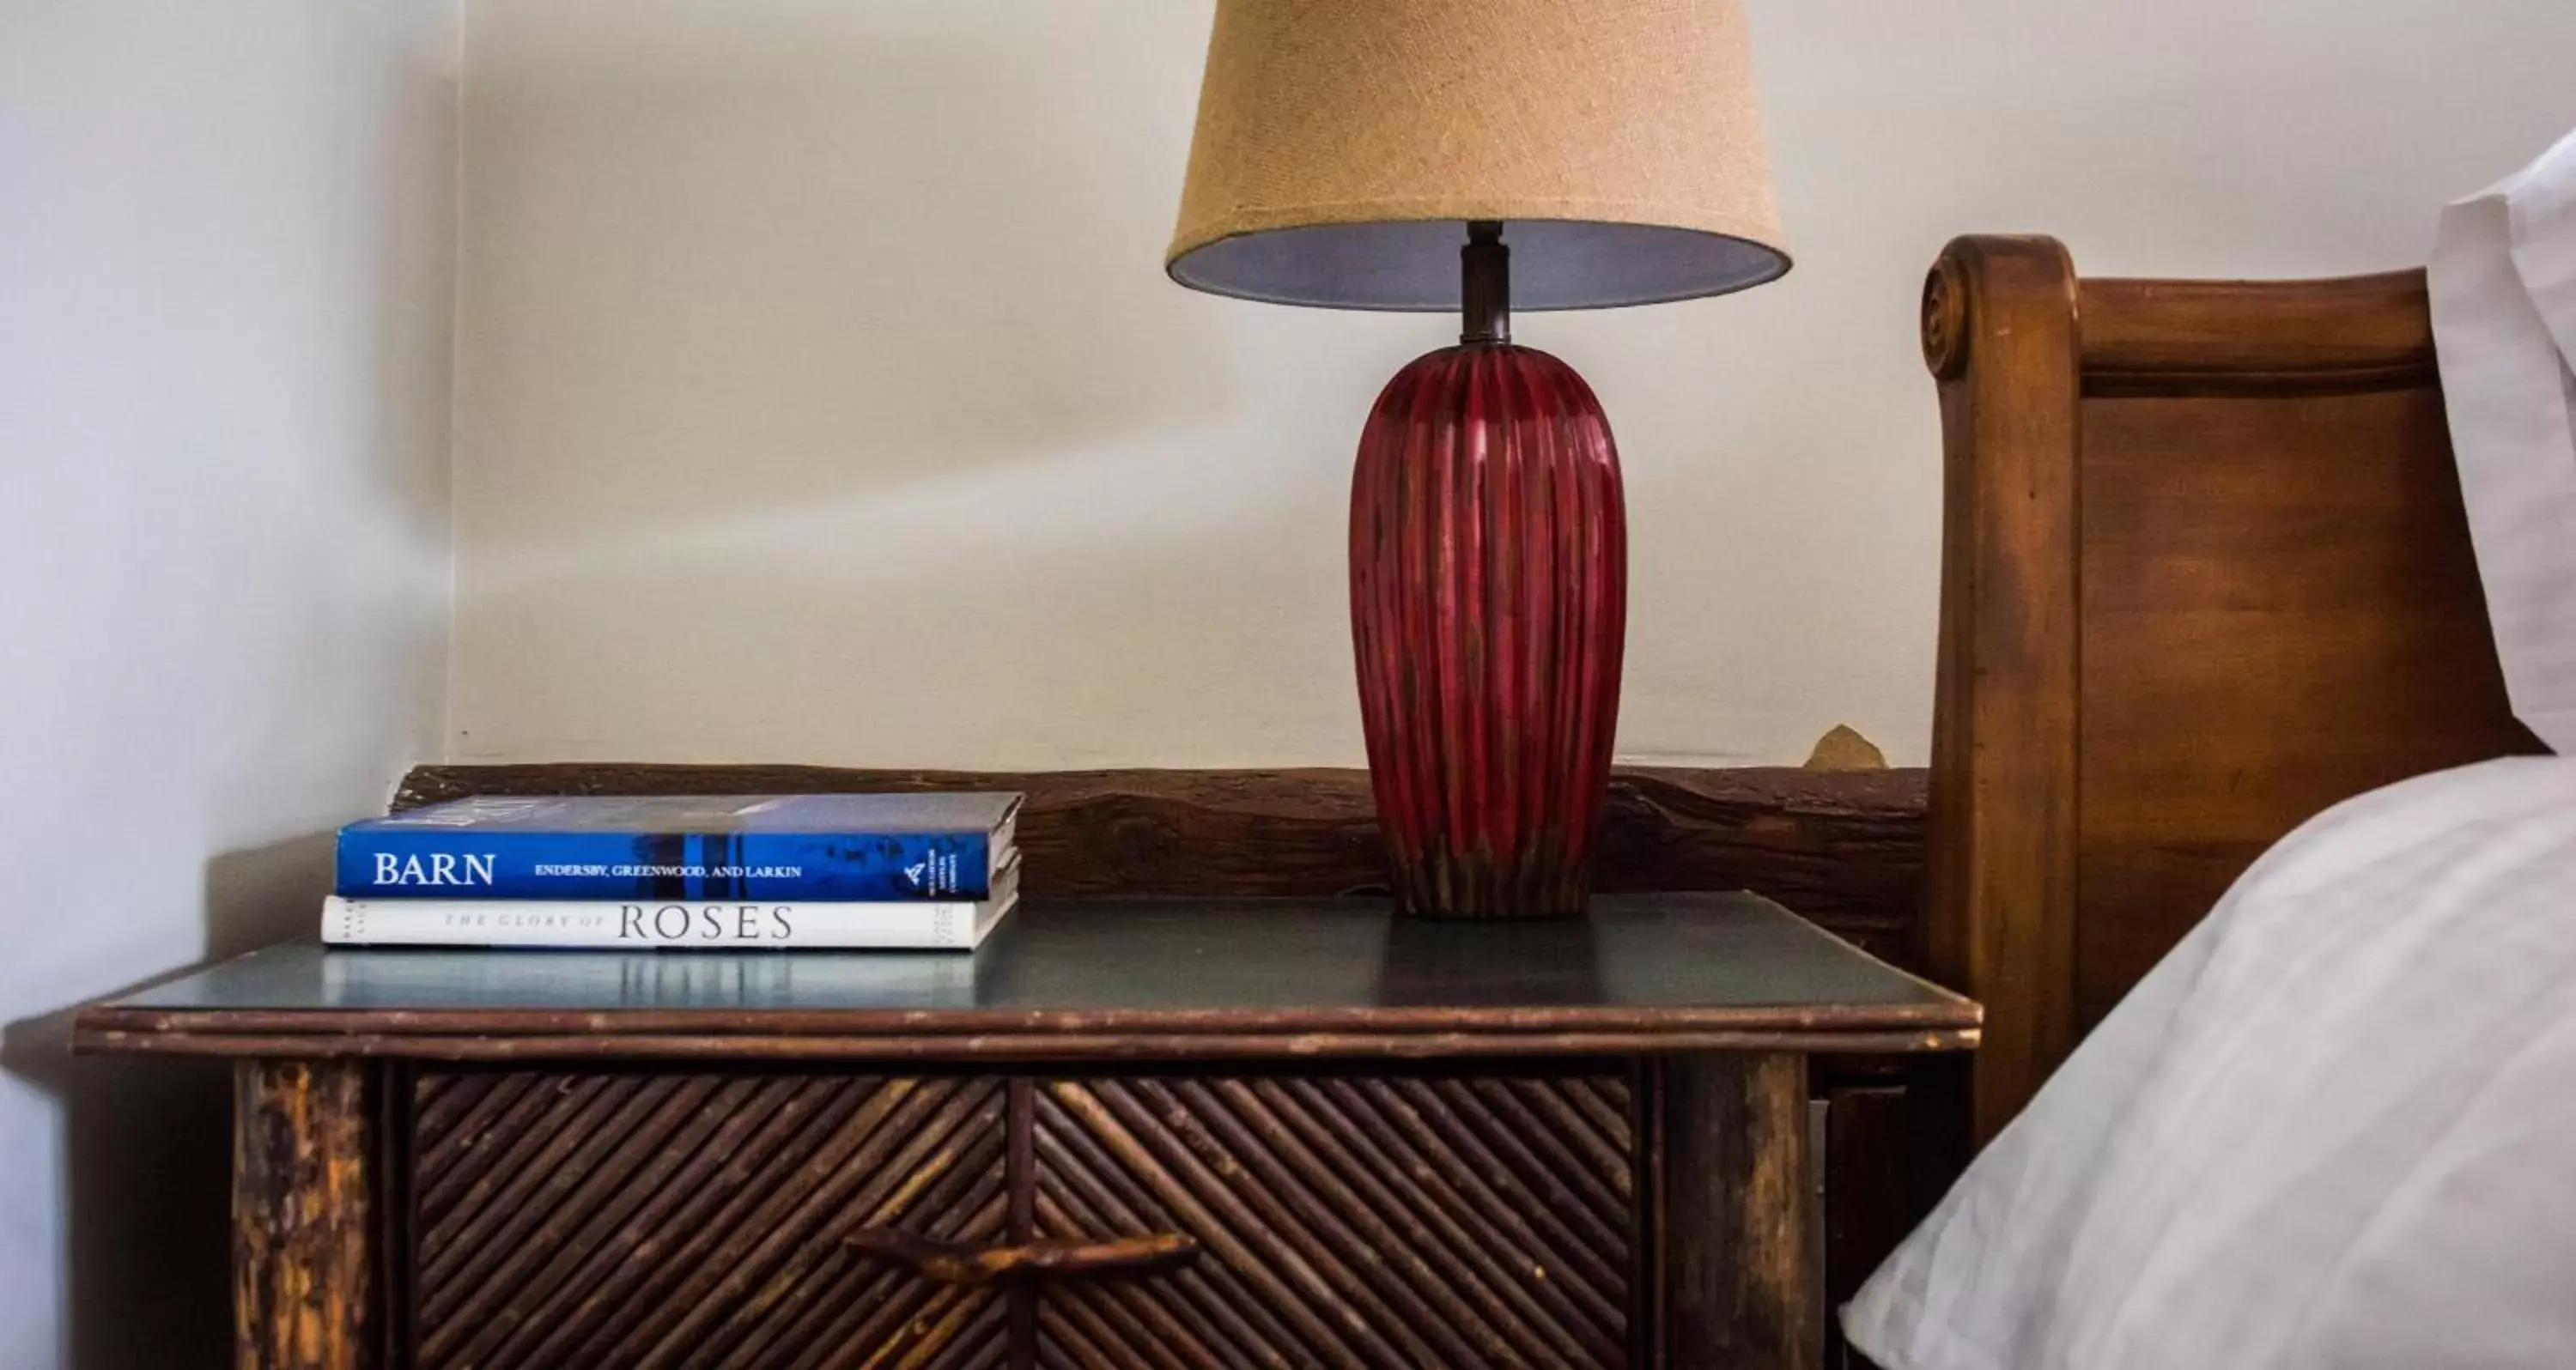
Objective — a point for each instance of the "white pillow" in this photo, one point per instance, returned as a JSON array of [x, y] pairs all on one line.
[[2503, 280], [2336, 1127]]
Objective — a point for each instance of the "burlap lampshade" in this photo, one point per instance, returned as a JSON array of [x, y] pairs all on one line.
[[1343, 145]]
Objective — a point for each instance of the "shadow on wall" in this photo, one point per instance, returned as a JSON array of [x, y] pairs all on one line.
[[717, 268], [146, 1164], [797, 338]]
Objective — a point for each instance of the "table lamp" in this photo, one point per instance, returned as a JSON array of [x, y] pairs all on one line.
[[1469, 155]]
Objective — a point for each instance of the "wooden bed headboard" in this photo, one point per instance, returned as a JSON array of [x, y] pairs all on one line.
[[2204, 574]]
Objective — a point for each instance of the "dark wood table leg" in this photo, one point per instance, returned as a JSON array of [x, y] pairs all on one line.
[[304, 1278], [1740, 1256]]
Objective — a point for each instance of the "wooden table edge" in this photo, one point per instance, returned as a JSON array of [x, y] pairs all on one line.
[[1014, 1046], [1948, 1011]]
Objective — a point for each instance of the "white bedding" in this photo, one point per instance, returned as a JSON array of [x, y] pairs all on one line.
[[2336, 1127]]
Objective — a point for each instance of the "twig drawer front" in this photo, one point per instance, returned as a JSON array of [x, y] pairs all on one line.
[[1365, 1221], [587, 1219], [604, 1218]]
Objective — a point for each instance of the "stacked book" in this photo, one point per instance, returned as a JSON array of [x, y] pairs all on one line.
[[728, 872]]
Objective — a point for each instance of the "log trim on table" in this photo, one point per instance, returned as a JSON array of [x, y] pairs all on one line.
[[1504, 1025], [1032, 1048], [306, 1294], [1742, 1242], [1843, 848]]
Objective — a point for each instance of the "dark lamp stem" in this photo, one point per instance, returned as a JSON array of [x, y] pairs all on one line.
[[1486, 296]]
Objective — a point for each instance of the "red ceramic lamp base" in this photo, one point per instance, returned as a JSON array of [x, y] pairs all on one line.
[[1489, 611]]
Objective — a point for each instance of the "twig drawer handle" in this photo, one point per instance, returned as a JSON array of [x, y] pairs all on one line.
[[958, 1263]]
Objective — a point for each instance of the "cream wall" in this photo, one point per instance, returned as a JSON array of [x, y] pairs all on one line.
[[820, 397], [226, 279]]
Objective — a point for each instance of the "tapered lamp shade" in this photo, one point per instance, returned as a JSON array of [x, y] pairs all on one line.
[[1344, 145]]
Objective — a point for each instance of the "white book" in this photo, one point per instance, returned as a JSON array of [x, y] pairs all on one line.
[[594, 978], [679, 925]]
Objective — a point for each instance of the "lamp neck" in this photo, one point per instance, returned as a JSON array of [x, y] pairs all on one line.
[[1486, 297]]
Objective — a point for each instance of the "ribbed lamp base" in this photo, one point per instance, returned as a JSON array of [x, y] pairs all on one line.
[[1489, 597]]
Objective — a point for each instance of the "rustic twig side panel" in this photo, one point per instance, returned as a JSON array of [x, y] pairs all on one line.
[[661, 1221], [1343, 1221]]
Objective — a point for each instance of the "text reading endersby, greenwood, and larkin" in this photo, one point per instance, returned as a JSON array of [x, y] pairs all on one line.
[[760, 848], [473, 870]]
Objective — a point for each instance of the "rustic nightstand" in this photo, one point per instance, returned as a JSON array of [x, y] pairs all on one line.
[[1129, 1133]]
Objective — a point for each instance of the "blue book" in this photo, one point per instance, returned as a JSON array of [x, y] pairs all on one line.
[[811, 847]]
